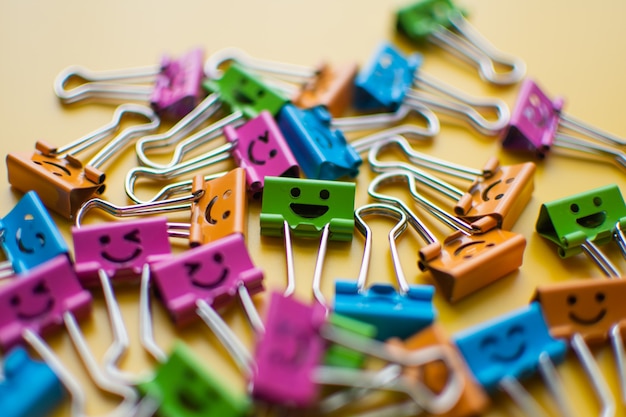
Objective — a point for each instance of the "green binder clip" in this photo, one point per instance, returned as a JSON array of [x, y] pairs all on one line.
[[245, 92], [589, 218], [184, 387], [339, 355], [419, 20], [307, 206]]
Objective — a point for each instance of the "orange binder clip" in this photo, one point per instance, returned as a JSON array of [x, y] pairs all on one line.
[[499, 192], [222, 210], [62, 181], [333, 87], [467, 260], [473, 399]]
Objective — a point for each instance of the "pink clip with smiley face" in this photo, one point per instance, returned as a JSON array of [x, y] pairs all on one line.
[[211, 272], [120, 248], [38, 300], [261, 149]]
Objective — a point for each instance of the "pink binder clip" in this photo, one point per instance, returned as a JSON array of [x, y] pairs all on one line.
[[38, 300], [211, 272], [288, 352], [119, 248], [261, 149]]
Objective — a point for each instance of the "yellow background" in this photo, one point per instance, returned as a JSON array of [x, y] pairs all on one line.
[[573, 48]]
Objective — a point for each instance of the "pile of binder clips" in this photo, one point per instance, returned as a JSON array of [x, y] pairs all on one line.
[[282, 127]]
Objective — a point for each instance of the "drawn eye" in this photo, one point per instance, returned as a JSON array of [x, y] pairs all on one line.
[[574, 208], [226, 215], [600, 297], [218, 258], [133, 236], [105, 240], [488, 341], [515, 330], [41, 288], [15, 301], [571, 300], [597, 201], [295, 192], [324, 194]]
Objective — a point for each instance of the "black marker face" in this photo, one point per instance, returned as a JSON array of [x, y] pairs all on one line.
[[131, 247], [208, 276], [586, 317], [308, 210], [54, 167], [28, 237], [34, 304], [260, 157], [508, 347], [497, 189]]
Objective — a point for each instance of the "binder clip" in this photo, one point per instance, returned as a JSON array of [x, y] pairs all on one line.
[[465, 261], [513, 347], [581, 222], [442, 23], [322, 152], [62, 182], [29, 236], [173, 87], [338, 355], [323, 85], [588, 314], [538, 124], [305, 207], [394, 313], [215, 272], [498, 193], [391, 79], [28, 388]]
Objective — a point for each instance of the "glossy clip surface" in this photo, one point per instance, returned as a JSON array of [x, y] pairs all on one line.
[[29, 388], [212, 272], [183, 386], [120, 248], [588, 216], [222, 210], [262, 151], [508, 346], [29, 236], [332, 87], [307, 206], [245, 92], [534, 121], [178, 86], [322, 152], [384, 80], [38, 300], [289, 351]]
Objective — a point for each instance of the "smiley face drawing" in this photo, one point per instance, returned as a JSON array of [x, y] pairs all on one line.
[[590, 215], [588, 307], [469, 263], [211, 272], [222, 210], [508, 346], [245, 92], [184, 387], [29, 236], [33, 302], [307, 206]]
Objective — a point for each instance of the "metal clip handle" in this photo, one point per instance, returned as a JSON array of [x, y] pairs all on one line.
[[589, 148], [450, 101], [472, 47]]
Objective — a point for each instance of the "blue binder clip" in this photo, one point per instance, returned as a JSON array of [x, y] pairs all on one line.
[[393, 313], [322, 152], [29, 388], [509, 347], [29, 236]]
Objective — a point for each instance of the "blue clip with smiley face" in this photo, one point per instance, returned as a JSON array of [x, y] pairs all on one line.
[[383, 82], [321, 152], [393, 313], [29, 388], [509, 346], [29, 236]]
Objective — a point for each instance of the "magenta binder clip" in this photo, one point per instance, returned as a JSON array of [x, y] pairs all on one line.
[[120, 248], [288, 352], [538, 124], [39, 299], [211, 272], [261, 149]]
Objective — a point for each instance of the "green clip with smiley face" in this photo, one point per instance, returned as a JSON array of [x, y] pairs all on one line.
[[588, 216], [246, 93], [308, 206], [420, 19], [184, 387]]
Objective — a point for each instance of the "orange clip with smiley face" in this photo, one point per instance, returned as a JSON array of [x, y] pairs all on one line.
[[590, 308], [222, 210], [332, 87], [473, 399]]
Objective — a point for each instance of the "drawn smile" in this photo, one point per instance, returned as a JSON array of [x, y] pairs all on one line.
[[24, 248], [510, 358], [242, 98], [592, 221], [212, 284], [308, 211], [117, 260], [29, 316], [189, 402], [588, 322]]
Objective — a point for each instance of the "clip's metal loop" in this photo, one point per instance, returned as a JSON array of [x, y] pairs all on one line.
[[572, 143], [593, 252], [453, 102], [472, 47], [100, 84], [387, 211]]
